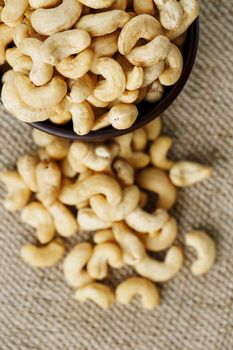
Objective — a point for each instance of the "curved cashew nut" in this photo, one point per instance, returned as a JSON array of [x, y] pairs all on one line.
[[174, 67], [104, 254], [18, 61], [76, 67], [134, 78], [48, 176], [62, 45], [57, 19], [82, 117], [95, 102], [140, 27], [105, 211], [37, 4], [155, 92], [114, 84], [18, 194], [124, 171], [45, 256], [101, 122], [139, 141], [37, 216], [190, 13], [58, 149], [163, 239], [206, 251], [171, 13], [67, 169], [103, 236], [134, 286], [42, 139], [152, 73], [99, 4], [157, 181], [158, 153], [123, 115], [75, 274], [6, 37], [75, 164], [149, 54], [141, 221], [41, 72], [61, 113], [144, 7], [128, 96], [45, 96], [64, 220], [80, 89], [133, 249], [26, 167], [13, 10], [185, 173], [100, 294], [153, 129], [89, 221], [103, 23], [139, 160], [158, 271]]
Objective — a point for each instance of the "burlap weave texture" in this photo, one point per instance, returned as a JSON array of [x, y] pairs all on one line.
[[37, 310]]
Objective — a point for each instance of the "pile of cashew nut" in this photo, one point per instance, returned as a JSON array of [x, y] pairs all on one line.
[[90, 61], [104, 189]]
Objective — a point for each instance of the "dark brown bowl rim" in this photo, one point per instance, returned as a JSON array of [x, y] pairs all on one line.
[[157, 110]]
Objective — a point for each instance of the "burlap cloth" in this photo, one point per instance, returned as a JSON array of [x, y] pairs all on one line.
[[37, 310]]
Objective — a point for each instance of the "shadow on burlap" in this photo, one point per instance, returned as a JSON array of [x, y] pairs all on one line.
[[37, 310]]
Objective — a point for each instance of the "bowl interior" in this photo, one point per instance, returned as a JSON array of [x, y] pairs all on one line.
[[147, 111]]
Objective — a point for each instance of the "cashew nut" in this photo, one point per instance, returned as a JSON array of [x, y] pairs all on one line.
[[170, 13], [158, 153], [80, 89], [119, 5], [140, 27], [100, 294], [157, 181], [18, 61], [101, 122], [18, 194], [48, 176], [104, 254], [153, 129], [152, 73], [155, 92], [174, 67], [74, 263], [133, 249], [45, 256], [103, 23], [42, 139], [13, 10], [206, 251], [144, 7], [186, 173], [97, 4], [114, 84], [58, 149], [94, 101], [57, 19], [9, 75], [64, 220], [41, 72], [6, 37], [37, 216], [36, 4], [139, 141], [26, 167], [134, 78], [67, 169], [62, 45], [103, 236], [122, 116], [82, 117], [142, 95], [141, 221], [124, 171], [89, 221], [134, 286], [128, 96], [75, 164], [158, 271]]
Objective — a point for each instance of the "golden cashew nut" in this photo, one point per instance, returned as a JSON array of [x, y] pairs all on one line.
[[6, 37], [104, 254], [45, 96], [141, 221], [57, 19], [113, 85], [38, 217], [103, 236], [206, 251], [103, 23], [18, 194], [185, 173], [139, 141], [98, 293], [80, 89], [75, 274], [62, 45], [157, 181], [13, 11], [45, 256], [101, 122], [106, 211], [82, 117], [133, 249], [139, 27], [26, 167], [155, 92], [174, 67], [170, 13], [97, 4], [158, 271], [123, 115], [152, 73], [144, 7], [159, 151], [64, 220], [41, 72], [89, 221], [124, 171], [134, 286], [153, 129], [48, 176]]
